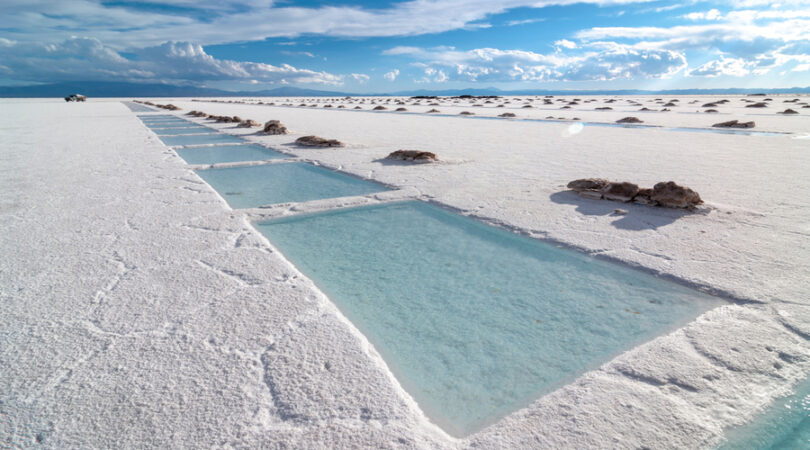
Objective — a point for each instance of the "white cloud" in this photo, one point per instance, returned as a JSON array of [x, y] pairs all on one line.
[[711, 14], [565, 43], [724, 66], [513, 23], [90, 59], [601, 61], [392, 75], [125, 26], [360, 77]]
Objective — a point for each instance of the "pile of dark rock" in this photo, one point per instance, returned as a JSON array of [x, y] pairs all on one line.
[[412, 155], [248, 123], [75, 98], [630, 120], [734, 124], [667, 194], [316, 141], [274, 127]]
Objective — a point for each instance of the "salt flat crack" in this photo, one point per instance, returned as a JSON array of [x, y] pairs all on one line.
[[240, 278]]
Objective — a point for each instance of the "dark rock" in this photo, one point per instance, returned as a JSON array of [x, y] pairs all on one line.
[[248, 124], [507, 115], [644, 196], [316, 141], [630, 120], [274, 127], [622, 192], [757, 105], [588, 184], [789, 111], [412, 155], [671, 195], [734, 124]]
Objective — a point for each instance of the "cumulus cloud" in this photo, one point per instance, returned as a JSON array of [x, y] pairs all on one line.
[[392, 75], [711, 14], [89, 59], [225, 21], [360, 77], [565, 43], [513, 23], [601, 61], [724, 66]]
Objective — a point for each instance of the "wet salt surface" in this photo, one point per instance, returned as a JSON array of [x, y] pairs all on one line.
[[227, 153], [254, 186], [476, 321]]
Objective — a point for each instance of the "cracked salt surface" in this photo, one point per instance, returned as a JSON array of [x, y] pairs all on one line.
[[180, 354]]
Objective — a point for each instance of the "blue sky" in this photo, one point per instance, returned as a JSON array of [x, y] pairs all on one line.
[[387, 46]]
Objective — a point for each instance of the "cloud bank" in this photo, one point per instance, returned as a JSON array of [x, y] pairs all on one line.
[[89, 59]]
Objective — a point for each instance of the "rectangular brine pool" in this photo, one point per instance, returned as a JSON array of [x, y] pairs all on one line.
[[202, 139], [253, 186], [227, 153], [475, 321], [182, 131]]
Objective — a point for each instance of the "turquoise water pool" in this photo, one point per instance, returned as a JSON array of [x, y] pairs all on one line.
[[137, 107], [182, 131], [227, 153], [784, 425], [474, 321], [253, 186], [202, 139]]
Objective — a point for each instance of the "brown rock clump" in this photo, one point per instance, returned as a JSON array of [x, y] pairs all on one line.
[[274, 127], [734, 124], [630, 120], [316, 141], [671, 195], [412, 155], [248, 124], [589, 187], [622, 192]]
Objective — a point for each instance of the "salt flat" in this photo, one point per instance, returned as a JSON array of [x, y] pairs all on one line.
[[139, 310]]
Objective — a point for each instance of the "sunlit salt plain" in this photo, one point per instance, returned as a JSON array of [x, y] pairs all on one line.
[[140, 310]]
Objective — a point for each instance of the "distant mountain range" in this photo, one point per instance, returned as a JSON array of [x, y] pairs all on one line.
[[123, 89]]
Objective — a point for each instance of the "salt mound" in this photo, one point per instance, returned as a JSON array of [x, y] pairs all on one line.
[[734, 124], [248, 124], [316, 141], [671, 195], [274, 127], [412, 155]]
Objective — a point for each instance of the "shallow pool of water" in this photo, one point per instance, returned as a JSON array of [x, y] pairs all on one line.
[[137, 107], [784, 425], [202, 139], [227, 153], [253, 186], [476, 321], [182, 131]]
